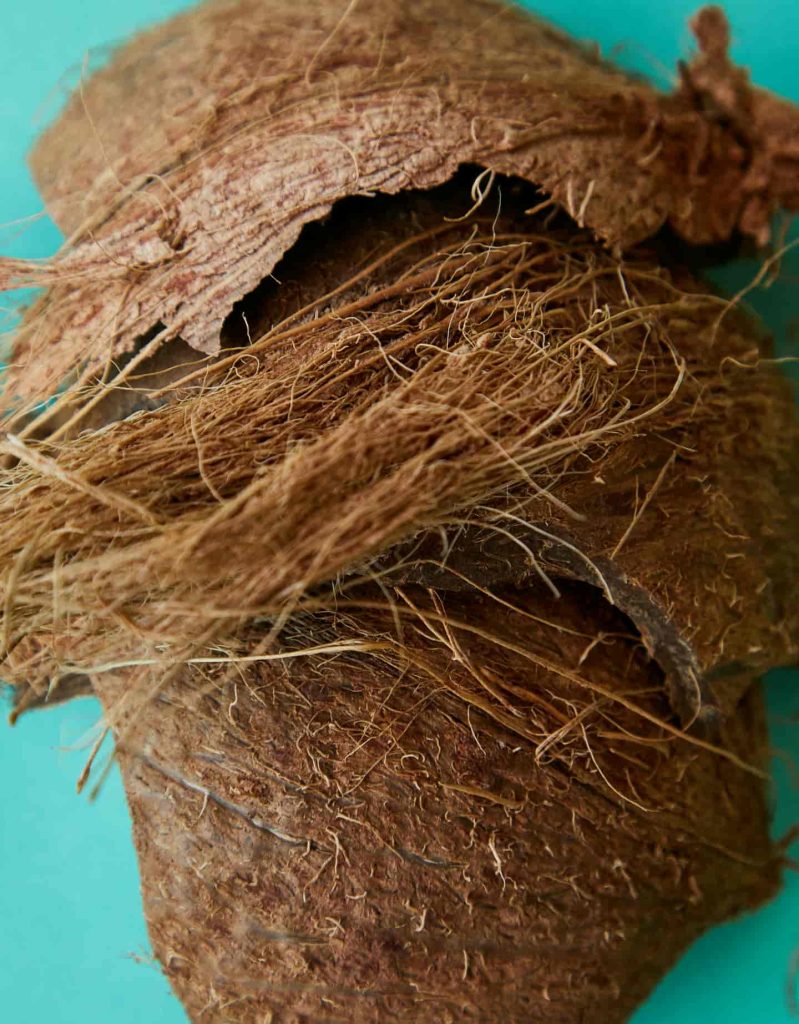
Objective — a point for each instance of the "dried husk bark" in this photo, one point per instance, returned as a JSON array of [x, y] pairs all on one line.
[[378, 770], [251, 120]]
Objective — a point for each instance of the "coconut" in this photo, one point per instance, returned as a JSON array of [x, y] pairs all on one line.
[[420, 519]]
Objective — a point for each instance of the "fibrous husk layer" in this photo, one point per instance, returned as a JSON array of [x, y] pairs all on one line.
[[358, 838], [184, 171], [422, 550]]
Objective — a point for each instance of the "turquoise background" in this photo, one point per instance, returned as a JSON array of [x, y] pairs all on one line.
[[73, 945]]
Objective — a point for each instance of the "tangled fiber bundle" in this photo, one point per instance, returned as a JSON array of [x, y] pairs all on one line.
[[423, 550]]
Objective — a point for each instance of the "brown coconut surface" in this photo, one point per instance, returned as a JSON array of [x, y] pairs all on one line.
[[251, 119], [422, 548], [351, 839]]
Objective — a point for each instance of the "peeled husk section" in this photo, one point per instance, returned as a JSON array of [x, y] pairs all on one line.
[[250, 121]]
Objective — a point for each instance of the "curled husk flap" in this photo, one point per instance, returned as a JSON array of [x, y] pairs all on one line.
[[422, 548]]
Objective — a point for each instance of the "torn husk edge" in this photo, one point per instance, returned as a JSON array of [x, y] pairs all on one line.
[[179, 205]]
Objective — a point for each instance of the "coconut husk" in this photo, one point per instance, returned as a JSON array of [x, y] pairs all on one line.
[[250, 120], [640, 392], [372, 445], [422, 550], [356, 838]]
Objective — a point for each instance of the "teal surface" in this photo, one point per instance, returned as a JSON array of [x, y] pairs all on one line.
[[73, 947]]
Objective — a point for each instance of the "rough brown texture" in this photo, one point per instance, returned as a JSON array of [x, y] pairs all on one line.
[[334, 872], [252, 119], [348, 839], [704, 444], [424, 558]]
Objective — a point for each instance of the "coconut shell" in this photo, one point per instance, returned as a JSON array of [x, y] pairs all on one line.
[[339, 840]]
